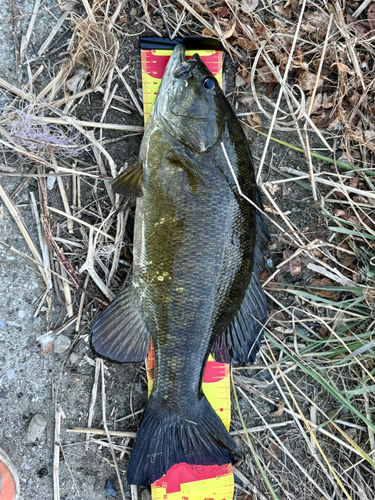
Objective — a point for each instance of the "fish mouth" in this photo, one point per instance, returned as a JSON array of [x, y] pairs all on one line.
[[182, 69], [177, 58], [186, 66]]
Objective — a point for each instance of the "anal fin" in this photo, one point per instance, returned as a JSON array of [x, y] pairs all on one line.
[[119, 333]]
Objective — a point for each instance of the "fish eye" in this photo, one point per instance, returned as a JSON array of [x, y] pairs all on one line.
[[209, 84]]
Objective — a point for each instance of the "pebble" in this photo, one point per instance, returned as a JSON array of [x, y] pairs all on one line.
[[21, 314], [51, 182], [146, 495], [109, 489], [133, 11], [2, 324], [61, 344], [36, 428], [73, 358]]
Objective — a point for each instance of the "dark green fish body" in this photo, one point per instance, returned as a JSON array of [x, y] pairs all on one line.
[[197, 254]]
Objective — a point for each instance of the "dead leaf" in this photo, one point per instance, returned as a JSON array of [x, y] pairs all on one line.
[[271, 86], [326, 294], [248, 6], [271, 188], [323, 332], [352, 434], [294, 265], [371, 15], [369, 135], [360, 27], [360, 199], [76, 81], [207, 33], [272, 285], [48, 348], [285, 11], [273, 453], [228, 33], [255, 122], [275, 317], [265, 75], [324, 120], [240, 81], [328, 100], [342, 214], [284, 480], [353, 182], [317, 253], [245, 43], [279, 411], [246, 99], [307, 81], [222, 12], [316, 105], [343, 68]]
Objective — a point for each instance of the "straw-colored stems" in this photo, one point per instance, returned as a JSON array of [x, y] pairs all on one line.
[[26, 38], [281, 91], [102, 432], [89, 266], [19, 221], [56, 456], [94, 394], [53, 33], [81, 303], [42, 241], [104, 407], [94, 228], [88, 10], [128, 88]]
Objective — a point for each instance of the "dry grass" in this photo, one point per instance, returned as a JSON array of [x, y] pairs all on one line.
[[304, 68]]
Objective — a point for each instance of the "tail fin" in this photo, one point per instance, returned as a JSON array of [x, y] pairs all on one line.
[[196, 436]]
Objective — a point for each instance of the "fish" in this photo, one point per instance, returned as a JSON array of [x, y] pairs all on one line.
[[199, 246]]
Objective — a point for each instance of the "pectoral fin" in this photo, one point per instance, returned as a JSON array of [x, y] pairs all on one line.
[[129, 183], [119, 333], [180, 157]]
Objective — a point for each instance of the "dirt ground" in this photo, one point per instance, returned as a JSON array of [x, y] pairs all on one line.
[[31, 383]]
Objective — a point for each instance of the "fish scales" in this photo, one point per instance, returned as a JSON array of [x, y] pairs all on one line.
[[198, 250]]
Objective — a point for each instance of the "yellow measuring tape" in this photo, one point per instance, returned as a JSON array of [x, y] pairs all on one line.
[[183, 481]]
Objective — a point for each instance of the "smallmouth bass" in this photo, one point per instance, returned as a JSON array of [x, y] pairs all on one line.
[[198, 249]]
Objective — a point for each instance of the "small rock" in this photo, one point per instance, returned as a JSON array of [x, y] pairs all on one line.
[[133, 11], [146, 495], [36, 428], [61, 344], [2, 324], [73, 358], [51, 182], [109, 489], [238, 441], [21, 314]]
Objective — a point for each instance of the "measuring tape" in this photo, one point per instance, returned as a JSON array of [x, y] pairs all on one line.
[[183, 481]]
